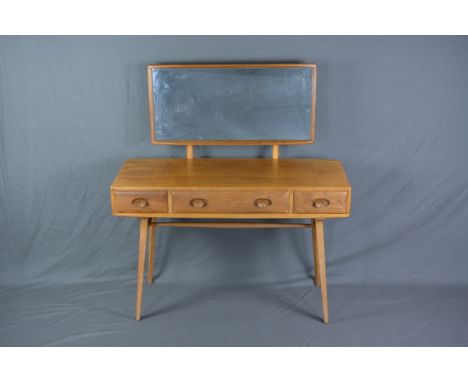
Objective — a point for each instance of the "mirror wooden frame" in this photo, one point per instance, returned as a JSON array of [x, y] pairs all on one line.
[[155, 141]]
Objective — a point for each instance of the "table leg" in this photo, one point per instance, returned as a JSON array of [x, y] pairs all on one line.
[[320, 246], [314, 252], [141, 265], [151, 252]]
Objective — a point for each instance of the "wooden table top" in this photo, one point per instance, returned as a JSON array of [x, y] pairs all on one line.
[[222, 173]]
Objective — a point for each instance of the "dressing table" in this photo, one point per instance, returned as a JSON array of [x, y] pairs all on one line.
[[231, 104]]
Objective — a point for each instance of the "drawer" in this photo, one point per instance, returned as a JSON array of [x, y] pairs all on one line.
[[230, 201], [320, 202], [139, 201]]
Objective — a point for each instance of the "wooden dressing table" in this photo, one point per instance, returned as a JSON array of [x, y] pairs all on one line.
[[251, 188]]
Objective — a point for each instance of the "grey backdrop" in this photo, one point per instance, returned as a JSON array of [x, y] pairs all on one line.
[[394, 110]]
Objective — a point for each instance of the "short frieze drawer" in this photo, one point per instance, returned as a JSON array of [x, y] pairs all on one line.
[[321, 202], [139, 201]]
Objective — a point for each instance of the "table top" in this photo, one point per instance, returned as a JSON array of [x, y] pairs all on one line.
[[222, 173]]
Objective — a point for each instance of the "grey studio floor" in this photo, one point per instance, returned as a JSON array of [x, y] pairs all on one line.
[[232, 294]]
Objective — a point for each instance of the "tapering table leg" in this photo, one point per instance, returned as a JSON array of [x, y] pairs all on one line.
[[314, 252], [320, 246], [151, 252], [141, 265]]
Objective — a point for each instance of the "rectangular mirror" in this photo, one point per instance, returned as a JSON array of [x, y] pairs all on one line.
[[229, 104]]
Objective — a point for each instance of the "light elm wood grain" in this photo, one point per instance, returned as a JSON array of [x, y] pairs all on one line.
[[141, 266], [320, 202], [225, 201], [151, 251], [245, 173], [314, 253], [131, 201], [320, 247]]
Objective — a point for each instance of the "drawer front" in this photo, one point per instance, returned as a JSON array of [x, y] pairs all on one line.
[[230, 201], [140, 201], [321, 202]]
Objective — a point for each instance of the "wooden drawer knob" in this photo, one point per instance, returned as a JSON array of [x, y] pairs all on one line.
[[198, 203], [321, 203], [262, 203], [140, 202]]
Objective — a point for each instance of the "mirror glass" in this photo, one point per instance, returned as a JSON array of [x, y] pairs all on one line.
[[242, 103]]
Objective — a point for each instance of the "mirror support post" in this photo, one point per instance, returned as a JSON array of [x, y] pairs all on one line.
[[189, 153], [275, 151]]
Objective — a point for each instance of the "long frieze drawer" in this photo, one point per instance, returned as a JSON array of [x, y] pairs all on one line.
[[321, 202], [230, 201], [140, 201]]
